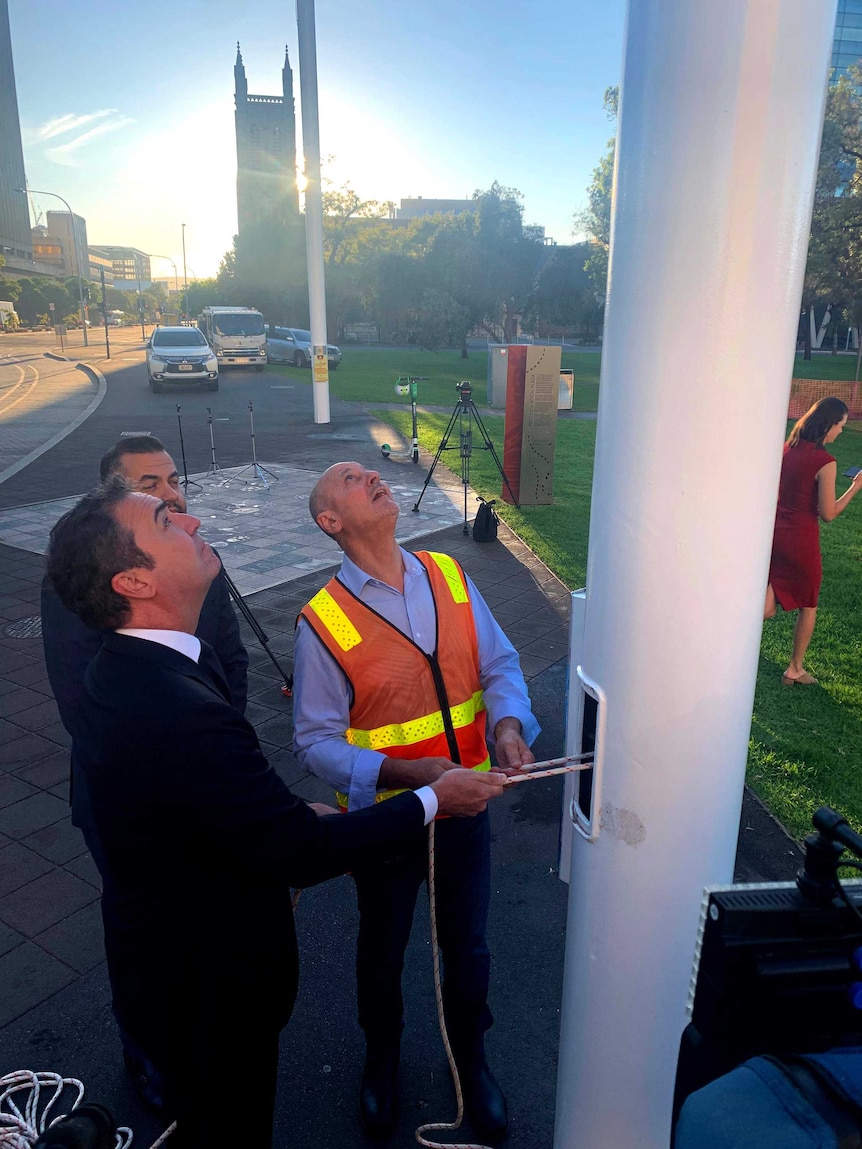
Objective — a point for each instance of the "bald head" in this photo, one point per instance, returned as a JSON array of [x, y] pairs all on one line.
[[349, 501], [318, 500]]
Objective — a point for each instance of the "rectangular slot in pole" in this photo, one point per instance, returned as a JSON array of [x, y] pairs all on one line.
[[586, 802]]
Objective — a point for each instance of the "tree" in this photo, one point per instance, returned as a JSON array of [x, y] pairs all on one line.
[[595, 219], [564, 300], [36, 293], [346, 216], [833, 274]]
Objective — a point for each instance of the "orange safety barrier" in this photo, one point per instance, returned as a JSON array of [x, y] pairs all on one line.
[[804, 393]]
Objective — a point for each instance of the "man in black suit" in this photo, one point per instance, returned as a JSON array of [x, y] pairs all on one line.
[[70, 646], [203, 839]]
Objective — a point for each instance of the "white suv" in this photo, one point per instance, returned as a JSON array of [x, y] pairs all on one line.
[[180, 355]]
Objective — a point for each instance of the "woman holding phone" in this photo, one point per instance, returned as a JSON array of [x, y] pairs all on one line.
[[806, 494]]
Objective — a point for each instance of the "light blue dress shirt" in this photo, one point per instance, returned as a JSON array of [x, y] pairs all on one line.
[[322, 696]]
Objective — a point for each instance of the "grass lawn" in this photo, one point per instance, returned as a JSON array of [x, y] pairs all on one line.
[[369, 376], [825, 366], [806, 743]]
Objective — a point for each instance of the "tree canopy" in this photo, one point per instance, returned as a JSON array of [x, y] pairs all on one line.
[[595, 219], [834, 270], [429, 280]]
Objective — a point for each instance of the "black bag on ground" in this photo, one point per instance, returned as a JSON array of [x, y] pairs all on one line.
[[485, 523]]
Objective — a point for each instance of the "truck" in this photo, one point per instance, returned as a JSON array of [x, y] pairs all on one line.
[[236, 334], [8, 316]]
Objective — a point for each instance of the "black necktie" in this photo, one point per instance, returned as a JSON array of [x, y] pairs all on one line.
[[212, 667]]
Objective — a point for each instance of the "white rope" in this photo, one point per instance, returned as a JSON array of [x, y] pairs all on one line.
[[530, 772], [550, 767], [24, 1120], [438, 993]]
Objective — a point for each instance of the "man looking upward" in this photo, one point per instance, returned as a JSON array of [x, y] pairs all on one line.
[[202, 838], [399, 664], [70, 645]]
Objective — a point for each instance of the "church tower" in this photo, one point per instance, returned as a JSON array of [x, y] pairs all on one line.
[[266, 192]]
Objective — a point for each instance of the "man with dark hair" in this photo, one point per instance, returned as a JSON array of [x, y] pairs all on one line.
[[400, 669], [203, 839], [71, 642], [69, 645]]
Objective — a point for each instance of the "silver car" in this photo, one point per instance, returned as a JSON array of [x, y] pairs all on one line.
[[177, 355], [293, 345]]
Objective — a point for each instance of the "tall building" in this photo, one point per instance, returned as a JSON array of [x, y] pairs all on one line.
[[16, 245], [71, 232], [128, 263], [847, 45], [266, 191]]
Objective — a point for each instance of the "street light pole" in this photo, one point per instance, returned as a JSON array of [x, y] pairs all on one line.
[[23, 191], [185, 277]]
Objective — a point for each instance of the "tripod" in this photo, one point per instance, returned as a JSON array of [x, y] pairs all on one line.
[[213, 468], [187, 482], [254, 466], [259, 633], [464, 414]]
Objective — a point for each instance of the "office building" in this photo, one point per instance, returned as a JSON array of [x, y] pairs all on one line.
[[847, 45], [98, 264], [129, 264], [266, 191], [16, 245], [70, 233]]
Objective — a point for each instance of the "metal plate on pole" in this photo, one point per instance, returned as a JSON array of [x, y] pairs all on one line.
[[320, 366]]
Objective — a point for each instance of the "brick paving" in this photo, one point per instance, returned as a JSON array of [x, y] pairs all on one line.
[[54, 998]]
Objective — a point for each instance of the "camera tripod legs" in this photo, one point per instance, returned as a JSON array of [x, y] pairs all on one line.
[[465, 409]]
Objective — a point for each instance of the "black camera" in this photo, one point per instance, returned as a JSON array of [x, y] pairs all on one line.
[[465, 387]]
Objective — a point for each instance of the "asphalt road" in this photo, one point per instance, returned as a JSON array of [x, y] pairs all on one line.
[[71, 466]]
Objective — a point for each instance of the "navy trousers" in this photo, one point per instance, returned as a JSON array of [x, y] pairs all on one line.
[[757, 1106], [387, 894]]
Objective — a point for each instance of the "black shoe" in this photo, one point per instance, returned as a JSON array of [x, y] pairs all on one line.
[[147, 1082], [378, 1093], [485, 1103]]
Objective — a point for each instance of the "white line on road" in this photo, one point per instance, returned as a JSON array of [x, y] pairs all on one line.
[[67, 430], [8, 407]]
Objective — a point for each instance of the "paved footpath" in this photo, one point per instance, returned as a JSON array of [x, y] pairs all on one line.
[[54, 996]]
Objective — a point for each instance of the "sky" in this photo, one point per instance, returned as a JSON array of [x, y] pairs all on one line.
[[127, 109]]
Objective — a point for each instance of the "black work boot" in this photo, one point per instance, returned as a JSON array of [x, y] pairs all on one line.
[[378, 1093], [485, 1103], [484, 1100]]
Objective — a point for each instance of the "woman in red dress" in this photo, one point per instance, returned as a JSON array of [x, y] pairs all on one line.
[[806, 494]]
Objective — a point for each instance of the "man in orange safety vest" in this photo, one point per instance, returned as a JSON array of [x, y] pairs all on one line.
[[401, 673]]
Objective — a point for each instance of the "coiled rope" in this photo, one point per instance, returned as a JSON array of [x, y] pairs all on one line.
[[24, 1120], [529, 773]]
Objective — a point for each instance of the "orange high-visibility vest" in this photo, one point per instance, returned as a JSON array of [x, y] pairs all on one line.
[[406, 703]]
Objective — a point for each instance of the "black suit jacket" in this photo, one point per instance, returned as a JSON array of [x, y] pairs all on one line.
[[204, 842], [70, 646]]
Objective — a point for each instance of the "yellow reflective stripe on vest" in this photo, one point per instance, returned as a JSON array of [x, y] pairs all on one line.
[[449, 570], [417, 730], [335, 620]]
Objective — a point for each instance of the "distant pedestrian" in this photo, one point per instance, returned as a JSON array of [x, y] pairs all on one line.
[[806, 494]]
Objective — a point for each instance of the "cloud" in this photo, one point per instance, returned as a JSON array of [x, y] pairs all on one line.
[[59, 125], [65, 153]]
